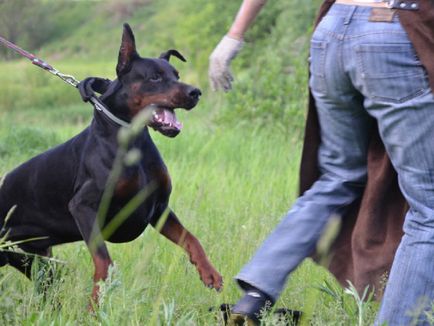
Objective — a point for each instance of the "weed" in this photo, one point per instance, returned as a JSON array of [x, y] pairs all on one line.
[[356, 308]]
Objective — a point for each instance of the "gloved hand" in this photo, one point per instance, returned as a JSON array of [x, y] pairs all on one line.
[[87, 87], [219, 72]]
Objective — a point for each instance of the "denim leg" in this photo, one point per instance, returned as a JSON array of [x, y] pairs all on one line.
[[296, 235], [396, 90], [408, 133], [345, 128]]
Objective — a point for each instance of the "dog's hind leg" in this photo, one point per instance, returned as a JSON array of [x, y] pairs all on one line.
[[38, 268], [3, 258], [23, 261], [173, 230]]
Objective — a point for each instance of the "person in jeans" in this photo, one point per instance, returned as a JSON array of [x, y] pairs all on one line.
[[364, 73]]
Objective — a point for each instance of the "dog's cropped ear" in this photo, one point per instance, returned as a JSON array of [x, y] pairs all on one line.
[[166, 55], [127, 51]]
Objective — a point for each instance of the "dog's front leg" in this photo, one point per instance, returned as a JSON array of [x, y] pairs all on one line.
[[85, 219], [102, 261], [173, 230], [98, 250]]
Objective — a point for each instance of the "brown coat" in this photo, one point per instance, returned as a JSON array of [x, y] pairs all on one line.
[[371, 230]]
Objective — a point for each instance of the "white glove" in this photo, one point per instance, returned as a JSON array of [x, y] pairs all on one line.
[[220, 59]]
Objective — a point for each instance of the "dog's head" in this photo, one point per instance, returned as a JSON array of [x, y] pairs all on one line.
[[153, 83]]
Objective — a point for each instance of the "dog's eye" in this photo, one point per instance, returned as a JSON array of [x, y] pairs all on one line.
[[155, 79]]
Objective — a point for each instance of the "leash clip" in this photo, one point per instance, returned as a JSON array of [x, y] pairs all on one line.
[[67, 78]]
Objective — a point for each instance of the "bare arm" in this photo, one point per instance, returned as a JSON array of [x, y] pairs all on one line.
[[246, 15]]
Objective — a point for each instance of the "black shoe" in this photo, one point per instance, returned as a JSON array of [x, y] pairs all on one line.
[[250, 309]]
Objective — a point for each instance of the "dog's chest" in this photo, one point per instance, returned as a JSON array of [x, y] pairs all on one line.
[[153, 178], [146, 190]]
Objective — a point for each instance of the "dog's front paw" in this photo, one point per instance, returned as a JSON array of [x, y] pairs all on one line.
[[211, 278]]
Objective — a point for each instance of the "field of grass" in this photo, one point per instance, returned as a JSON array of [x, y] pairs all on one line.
[[234, 167]]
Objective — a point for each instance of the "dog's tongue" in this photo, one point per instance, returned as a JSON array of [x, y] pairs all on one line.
[[167, 118]]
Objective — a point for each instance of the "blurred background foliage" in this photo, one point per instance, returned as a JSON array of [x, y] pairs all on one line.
[[82, 38]]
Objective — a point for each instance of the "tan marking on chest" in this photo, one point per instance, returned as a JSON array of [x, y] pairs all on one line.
[[126, 187]]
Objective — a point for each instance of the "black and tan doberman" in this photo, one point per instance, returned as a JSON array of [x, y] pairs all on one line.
[[57, 194]]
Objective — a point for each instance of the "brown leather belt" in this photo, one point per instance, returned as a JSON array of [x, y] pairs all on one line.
[[362, 3], [391, 4]]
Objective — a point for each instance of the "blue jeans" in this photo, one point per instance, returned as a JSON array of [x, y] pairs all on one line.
[[363, 73]]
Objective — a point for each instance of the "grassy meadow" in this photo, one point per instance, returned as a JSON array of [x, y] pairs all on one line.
[[234, 167]]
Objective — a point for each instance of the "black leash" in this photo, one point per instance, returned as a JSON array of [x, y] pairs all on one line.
[[70, 80]]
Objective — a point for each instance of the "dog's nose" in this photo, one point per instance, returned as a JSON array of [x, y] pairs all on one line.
[[195, 93]]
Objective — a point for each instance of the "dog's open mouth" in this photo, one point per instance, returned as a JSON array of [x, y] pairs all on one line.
[[164, 121]]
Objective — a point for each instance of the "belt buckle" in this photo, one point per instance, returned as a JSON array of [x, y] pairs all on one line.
[[403, 4]]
